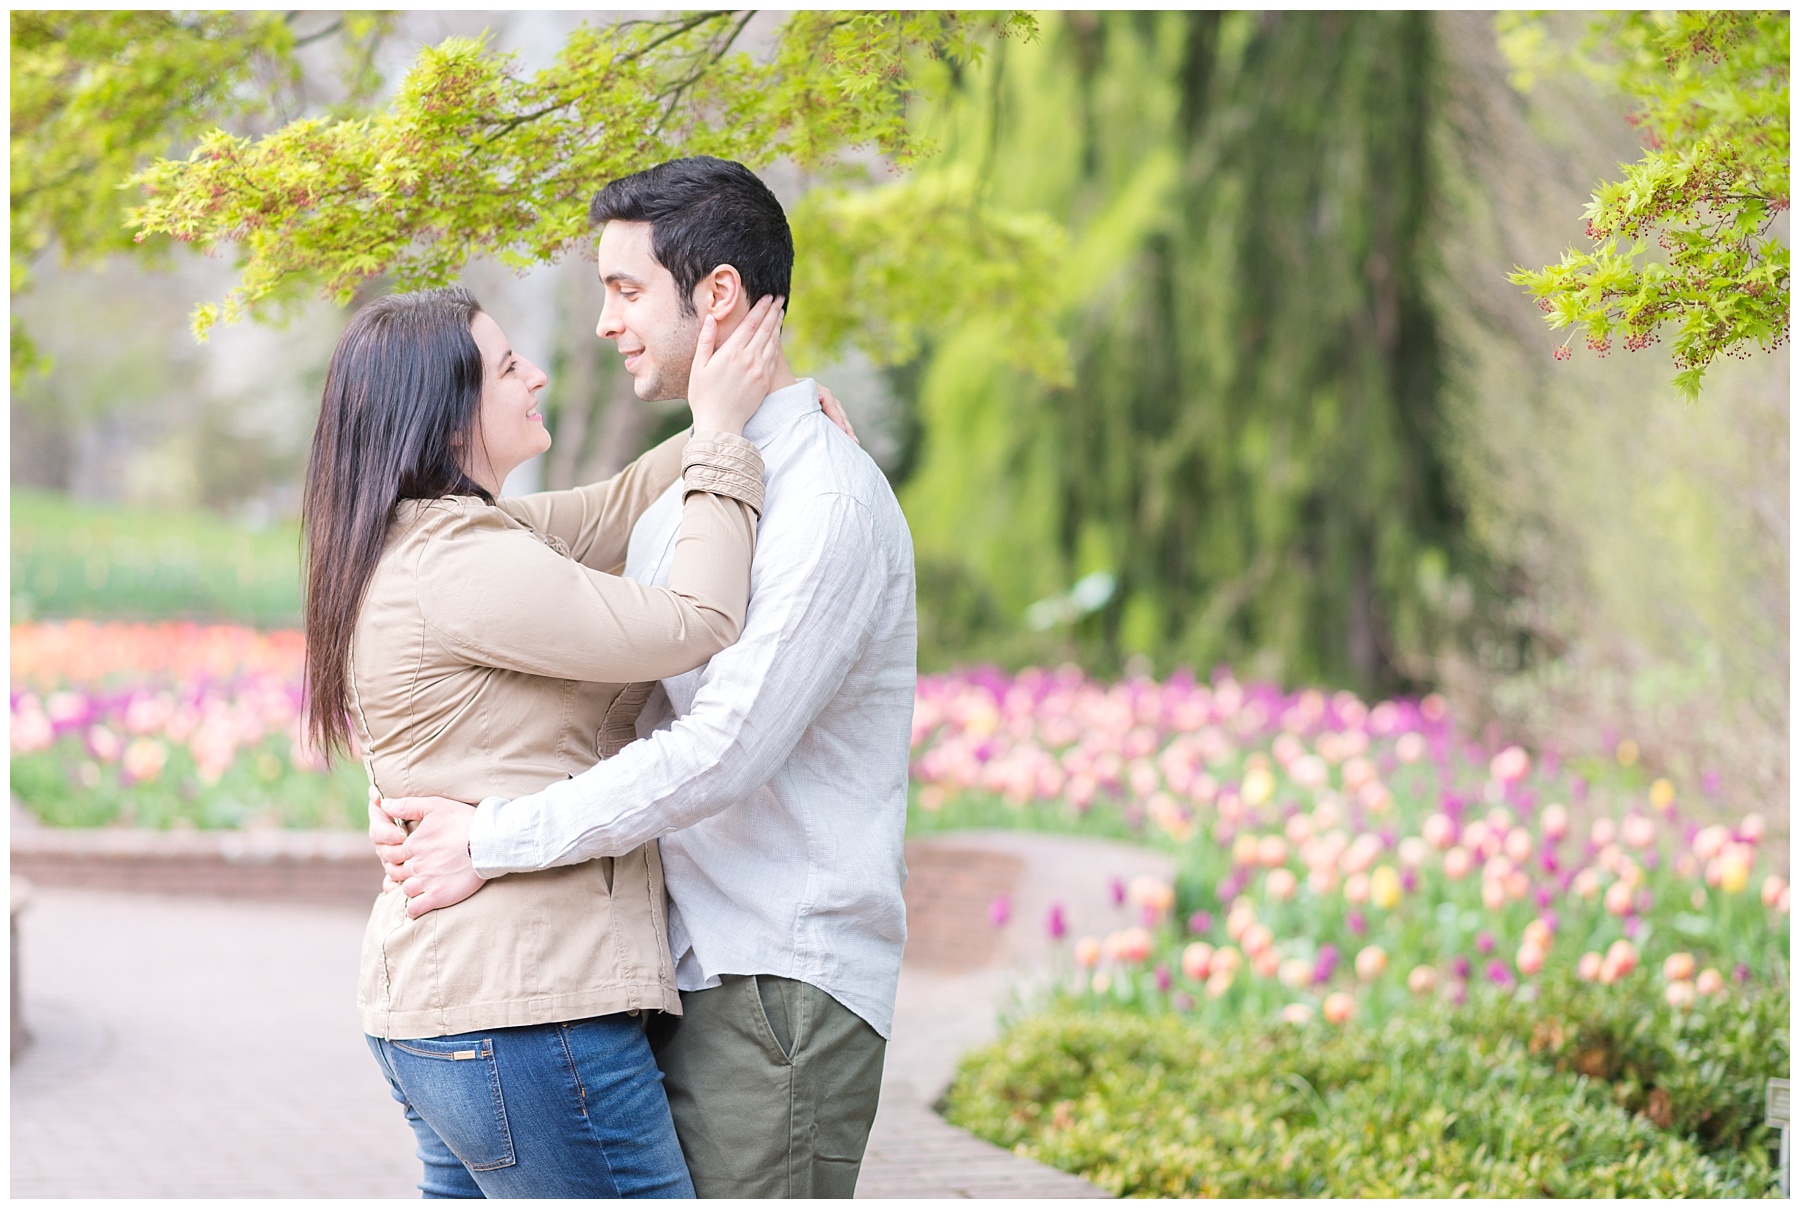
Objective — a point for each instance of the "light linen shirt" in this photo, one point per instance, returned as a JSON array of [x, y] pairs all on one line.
[[779, 787]]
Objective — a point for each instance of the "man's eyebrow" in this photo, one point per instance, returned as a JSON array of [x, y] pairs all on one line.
[[610, 278]]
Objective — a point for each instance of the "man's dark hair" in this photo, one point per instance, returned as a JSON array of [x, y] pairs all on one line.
[[704, 212]]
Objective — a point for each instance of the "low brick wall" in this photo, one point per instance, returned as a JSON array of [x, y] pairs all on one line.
[[327, 867]]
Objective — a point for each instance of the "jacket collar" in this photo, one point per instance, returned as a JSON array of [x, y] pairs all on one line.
[[781, 409]]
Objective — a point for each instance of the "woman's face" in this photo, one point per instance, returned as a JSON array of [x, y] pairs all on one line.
[[511, 431]]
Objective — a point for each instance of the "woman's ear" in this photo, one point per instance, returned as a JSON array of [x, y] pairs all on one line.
[[721, 294]]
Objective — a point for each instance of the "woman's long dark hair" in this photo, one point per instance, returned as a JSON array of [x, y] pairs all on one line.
[[402, 395]]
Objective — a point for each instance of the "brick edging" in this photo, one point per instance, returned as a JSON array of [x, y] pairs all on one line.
[[325, 867]]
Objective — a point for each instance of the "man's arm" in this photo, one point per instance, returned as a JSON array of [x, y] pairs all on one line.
[[809, 621]]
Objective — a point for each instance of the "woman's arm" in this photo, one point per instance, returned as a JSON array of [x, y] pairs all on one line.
[[595, 521], [496, 596]]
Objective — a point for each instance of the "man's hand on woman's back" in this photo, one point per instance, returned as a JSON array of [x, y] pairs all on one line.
[[431, 865]]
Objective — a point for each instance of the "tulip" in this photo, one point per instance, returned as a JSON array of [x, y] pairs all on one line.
[[1554, 821], [1529, 959], [1087, 951], [1163, 981], [1134, 945], [1602, 833], [1300, 828], [1152, 894], [1371, 962], [1710, 842], [1102, 982], [1621, 959], [1734, 871], [1339, 1007], [1296, 1013], [1537, 932], [1226, 959], [1638, 831], [1384, 888], [1710, 982], [1271, 851], [1057, 925], [1410, 747], [1457, 863], [1256, 939], [1439, 831], [1281, 884], [1752, 828], [1772, 889], [1618, 898], [1517, 884], [1518, 845], [1510, 765], [1484, 941], [1000, 910], [1586, 883], [1662, 793], [1241, 917], [1200, 923], [1421, 980], [1266, 963], [1295, 972], [1218, 983], [1196, 961], [1413, 852], [1475, 835], [1244, 850], [1257, 786], [1322, 879], [1493, 894], [1588, 967], [1680, 995], [1356, 888]]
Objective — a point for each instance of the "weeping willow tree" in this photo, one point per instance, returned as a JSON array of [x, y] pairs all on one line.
[[1250, 444]]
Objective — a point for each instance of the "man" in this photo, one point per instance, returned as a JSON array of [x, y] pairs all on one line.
[[777, 775]]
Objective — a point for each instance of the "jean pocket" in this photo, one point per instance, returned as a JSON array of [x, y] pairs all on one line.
[[454, 1084]]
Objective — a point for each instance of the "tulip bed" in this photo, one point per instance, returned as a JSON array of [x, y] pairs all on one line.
[[1364, 882], [168, 724]]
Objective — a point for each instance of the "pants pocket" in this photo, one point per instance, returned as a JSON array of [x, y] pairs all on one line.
[[454, 1085]]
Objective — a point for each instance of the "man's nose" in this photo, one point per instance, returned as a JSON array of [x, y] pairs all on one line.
[[608, 327]]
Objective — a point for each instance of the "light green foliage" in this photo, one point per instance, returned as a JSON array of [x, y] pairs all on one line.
[[1482, 1101], [1712, 102], [475, 158], [89, 560], [887, 267], [97, 94]]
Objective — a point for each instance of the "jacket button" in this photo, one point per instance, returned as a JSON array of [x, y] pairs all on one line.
[[631, 1012]]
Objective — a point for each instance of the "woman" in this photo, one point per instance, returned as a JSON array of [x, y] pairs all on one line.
[[459, 646]]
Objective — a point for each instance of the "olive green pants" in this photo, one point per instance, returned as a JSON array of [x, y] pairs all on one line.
[[773, 1086]]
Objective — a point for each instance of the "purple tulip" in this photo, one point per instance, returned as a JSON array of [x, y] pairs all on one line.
[[1058, 926], [1356, 923], [1497, 972], [1545, 896], [1200, 923], [1460, 967], [1578, 789], [1633, 925], [1326, 964], [1741, 972], [1163, 981], [1118, 891], [1484, 942], [1183, 1002], [1709, 783], [1232, 886], [1409, 880], [1000, 910], [1459, 993], [1549, 862]]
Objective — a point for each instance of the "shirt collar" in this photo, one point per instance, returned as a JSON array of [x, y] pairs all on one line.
[[781, 409]]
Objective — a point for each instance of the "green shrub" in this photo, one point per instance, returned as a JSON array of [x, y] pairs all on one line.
[[1482, 1100]]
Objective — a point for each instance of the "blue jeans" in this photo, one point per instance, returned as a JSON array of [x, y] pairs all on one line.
[[552, 1110]]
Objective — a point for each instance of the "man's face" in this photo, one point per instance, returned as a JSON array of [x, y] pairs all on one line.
[[643, 313]]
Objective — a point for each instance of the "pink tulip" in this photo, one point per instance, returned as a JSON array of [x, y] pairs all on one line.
[[1638, 831], [1339, 1007], [1356, 888], [1752, 828], [1421, 980], [1295, 972], [1371, 962], [1680, 995], [1518, 845], [1588, 967], [1554, 821], [1678, 967], [1772, 889], [1493, 894], [1510, 765], [1296, 1013], [1410, 747], [1439, 831], [1196, 960], [1602, 833], [1271, 851], [1266, 964], [1457, 863], [1529, 959], [1087, 952], [1281, 884], [1257, 938], [1710, 842], [1710, 982], [1618, 898], [1218, 982]]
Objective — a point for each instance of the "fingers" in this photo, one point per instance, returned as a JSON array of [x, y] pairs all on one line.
[[709, 335], [382, 828], [834, 411], [404, 808], [747, 331], [765, 345]]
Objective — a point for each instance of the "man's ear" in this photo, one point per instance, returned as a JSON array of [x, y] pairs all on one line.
[[721, 294]]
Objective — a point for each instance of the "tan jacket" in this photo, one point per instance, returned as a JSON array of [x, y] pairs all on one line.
[[496, 652]]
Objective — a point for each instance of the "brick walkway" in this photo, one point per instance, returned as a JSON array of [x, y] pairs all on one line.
[[186, 1046]]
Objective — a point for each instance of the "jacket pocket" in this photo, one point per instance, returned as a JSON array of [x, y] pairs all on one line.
[[454, 1084]]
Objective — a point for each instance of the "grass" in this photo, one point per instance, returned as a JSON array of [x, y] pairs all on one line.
[[78, 559]]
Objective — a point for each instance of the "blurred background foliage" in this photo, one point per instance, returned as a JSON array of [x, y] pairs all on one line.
[[1222, 365]]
